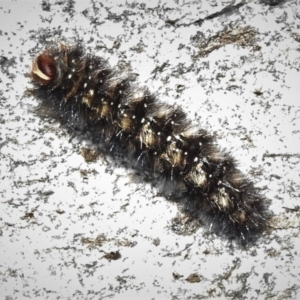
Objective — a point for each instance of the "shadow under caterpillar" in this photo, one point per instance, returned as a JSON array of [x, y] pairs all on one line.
[[82, 90]]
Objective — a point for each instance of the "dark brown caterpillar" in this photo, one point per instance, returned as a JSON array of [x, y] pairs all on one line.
[[83, 90]]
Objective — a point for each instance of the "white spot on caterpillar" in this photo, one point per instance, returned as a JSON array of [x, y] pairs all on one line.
[[137, 95], [88, 98]]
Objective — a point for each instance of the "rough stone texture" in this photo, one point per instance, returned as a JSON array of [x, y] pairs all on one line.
[[71, 229]]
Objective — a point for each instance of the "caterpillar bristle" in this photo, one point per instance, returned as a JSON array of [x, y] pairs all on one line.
[[83, 91]]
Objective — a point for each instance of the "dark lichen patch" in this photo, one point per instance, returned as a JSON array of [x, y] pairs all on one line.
[[156, 242], [176, 276], [67, 6], [125, 243], [232, 87], [45, 193], [272, 2], [241, 36], [86, 173], [281, 155], [285, 221], [236, 264], [194, 278], [179, 253], [94, 243], [258, 93], [28, 216], [211, 292], [113, 255], [296, 36], [6, 62], [89, 155], [124, 206], [100, 240], [292, 209], [209, 251], [46, 6], [230, 9], [183, 225], [272, 252]]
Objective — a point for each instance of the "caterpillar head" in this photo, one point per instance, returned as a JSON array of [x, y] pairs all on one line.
[[44, 69], [49, 67]]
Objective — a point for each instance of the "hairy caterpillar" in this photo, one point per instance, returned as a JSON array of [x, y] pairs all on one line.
[[83, 90]]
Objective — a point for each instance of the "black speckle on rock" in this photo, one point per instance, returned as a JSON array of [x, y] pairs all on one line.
[[46, 6], [272, 2]]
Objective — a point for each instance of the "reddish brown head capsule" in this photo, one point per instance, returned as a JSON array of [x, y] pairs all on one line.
[[43, 69]]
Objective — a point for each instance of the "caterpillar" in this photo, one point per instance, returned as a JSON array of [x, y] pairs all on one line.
[[83, 90]]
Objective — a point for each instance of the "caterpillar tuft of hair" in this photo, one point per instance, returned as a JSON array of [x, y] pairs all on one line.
[[82, 90]]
